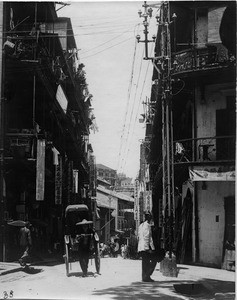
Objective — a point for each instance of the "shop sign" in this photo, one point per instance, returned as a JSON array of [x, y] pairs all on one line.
[[40, 170], [58, 181]]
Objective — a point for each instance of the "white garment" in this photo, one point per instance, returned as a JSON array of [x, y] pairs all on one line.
[[145, 241], [55, 156]]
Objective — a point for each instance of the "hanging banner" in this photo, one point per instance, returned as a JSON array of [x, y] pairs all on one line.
[[92, 175], [212, 173], [75, 181], [148, 201], [40, 170], [55, 156], [136, 200], [69, 181], [58, 181]]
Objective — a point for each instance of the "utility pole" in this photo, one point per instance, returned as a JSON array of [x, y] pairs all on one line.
[[167, 131], [2, 99], [163, 65], [147, 13]]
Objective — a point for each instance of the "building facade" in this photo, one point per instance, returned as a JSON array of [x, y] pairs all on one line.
[[115, 209], [192, 148], [107, 174], [45, 124]]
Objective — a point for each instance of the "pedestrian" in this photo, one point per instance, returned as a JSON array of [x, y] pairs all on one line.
[[123, 251], [146, 248], [25, 243], [116, 248], [85, 244]]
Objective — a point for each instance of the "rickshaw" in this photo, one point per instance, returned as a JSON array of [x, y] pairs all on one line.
[[74, 214]]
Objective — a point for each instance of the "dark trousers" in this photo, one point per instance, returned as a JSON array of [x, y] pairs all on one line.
[[84, 260], [148, 264]]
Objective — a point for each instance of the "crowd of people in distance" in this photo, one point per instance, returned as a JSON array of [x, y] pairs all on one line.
[[114, 249]]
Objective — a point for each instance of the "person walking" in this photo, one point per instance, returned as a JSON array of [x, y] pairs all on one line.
[[146, 248], [85, 243], [25, 243]]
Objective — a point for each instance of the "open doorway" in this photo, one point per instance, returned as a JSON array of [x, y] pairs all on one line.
[[229, 234]]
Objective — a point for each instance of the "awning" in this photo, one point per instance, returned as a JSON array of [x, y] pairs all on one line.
[[212, 173], [129, 210], [104, 201]]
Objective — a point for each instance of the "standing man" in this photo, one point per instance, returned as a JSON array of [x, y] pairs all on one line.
[[25, 243], [146, 248], [85, 243]]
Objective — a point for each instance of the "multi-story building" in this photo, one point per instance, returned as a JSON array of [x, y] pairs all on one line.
[[124, 185], [45, 123], [193, 177], [107, 174], [116, 213]]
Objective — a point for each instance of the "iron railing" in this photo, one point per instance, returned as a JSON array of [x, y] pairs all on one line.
[[205, 150], [210, 57]]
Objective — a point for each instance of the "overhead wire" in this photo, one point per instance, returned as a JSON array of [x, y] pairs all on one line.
[[120, 161], [106, 48], [128, 98], [82, 52], [132, 109], [23, 69], [134, 123], [124, 159]]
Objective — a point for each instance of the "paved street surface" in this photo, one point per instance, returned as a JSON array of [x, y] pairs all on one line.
[[119, 279]]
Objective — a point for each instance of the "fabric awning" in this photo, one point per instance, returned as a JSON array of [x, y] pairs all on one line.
[[103, 200]]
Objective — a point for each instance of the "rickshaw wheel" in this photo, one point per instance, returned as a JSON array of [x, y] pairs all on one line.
[[67, 259], [97, 258]]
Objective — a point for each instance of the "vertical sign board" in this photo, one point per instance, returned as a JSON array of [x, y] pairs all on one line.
[[40, 170], [136, 186], [69, 180], [75, 181], [136, 205], [58, 181], [92, 175]]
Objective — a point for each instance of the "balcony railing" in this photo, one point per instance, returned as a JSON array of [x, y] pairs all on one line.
[[41, 50], [210, 57], [205, 150], [20, 144]]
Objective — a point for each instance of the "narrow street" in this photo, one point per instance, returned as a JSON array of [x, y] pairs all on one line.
[[119, 279], [118, 142]]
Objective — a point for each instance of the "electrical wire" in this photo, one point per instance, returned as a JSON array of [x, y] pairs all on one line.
[[132, 109], [83, 52], [106, 48], [127, 104], [128, 138], [143, 86], [180, 90]]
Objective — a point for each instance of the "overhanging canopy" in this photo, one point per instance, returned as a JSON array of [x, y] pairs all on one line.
[[103, 200]]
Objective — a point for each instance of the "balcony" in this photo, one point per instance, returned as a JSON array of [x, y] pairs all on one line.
[[209, 150], [20, 144], [40, 50], [211, 57]]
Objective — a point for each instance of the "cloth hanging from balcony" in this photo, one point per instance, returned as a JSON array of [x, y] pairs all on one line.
[[212, 173]]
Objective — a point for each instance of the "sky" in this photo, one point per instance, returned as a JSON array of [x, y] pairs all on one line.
[[117, 76]]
